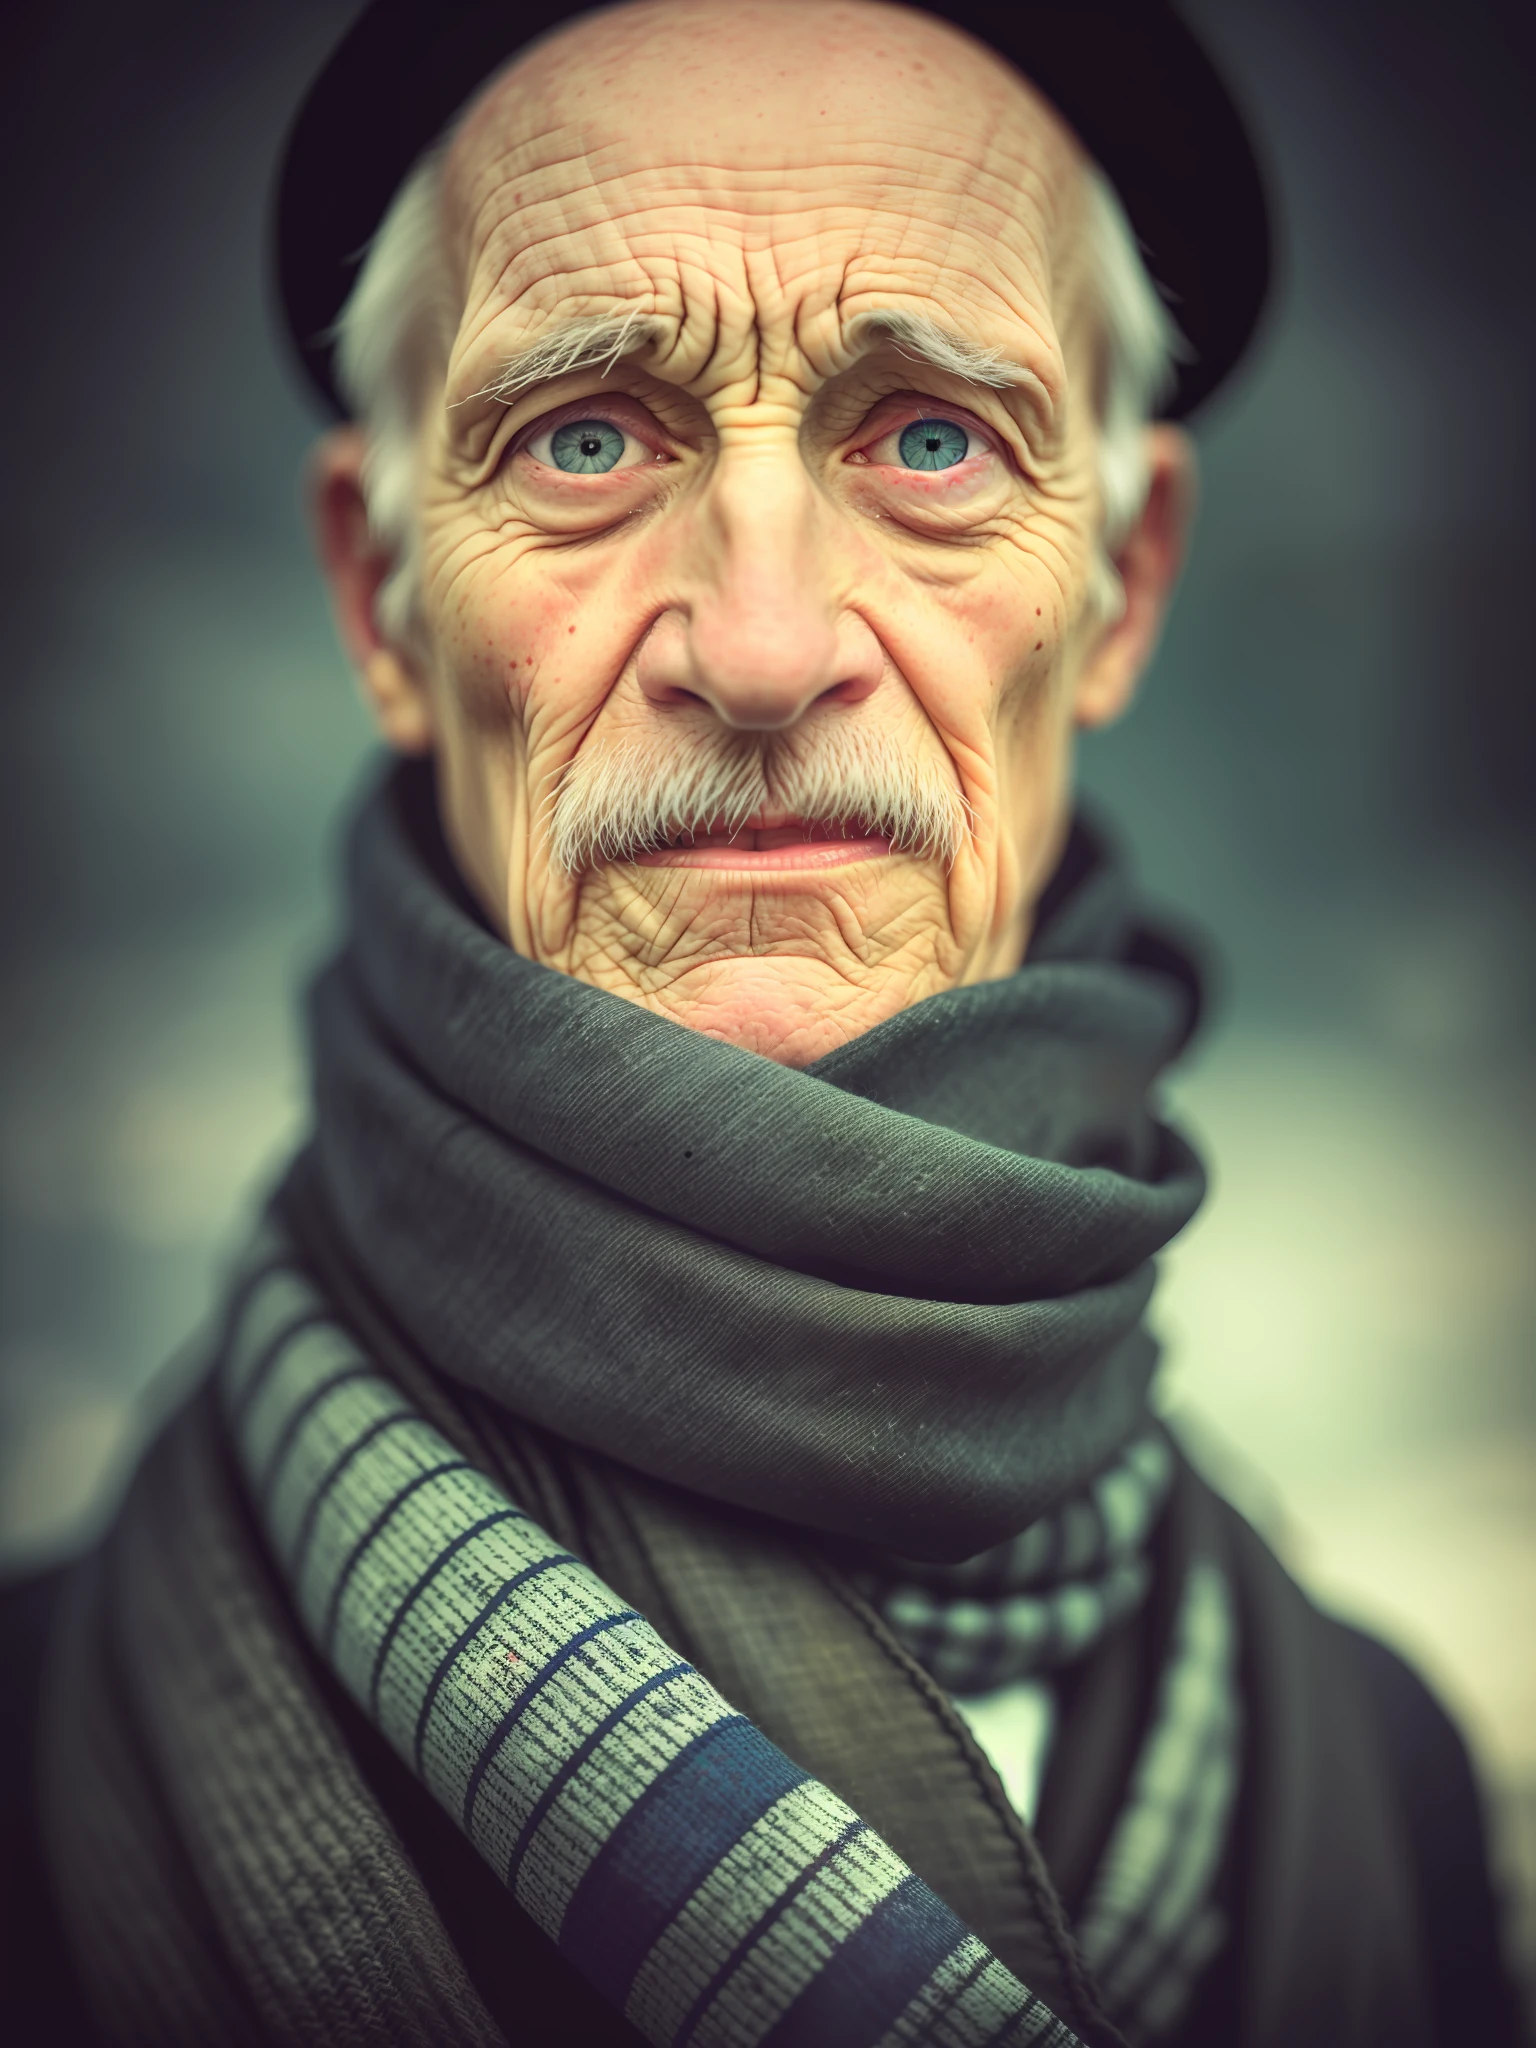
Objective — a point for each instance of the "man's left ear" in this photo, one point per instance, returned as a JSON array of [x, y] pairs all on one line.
[[1148, 562]]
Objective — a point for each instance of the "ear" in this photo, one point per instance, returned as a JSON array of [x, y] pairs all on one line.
[[355, 566], [1148, 562]]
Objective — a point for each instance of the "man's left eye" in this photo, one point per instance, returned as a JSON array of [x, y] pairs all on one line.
[[933, 444], [587, 448], [927, 444]]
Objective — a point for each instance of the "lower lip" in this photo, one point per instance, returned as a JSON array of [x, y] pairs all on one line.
[[746, 858]]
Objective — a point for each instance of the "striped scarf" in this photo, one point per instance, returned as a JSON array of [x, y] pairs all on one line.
[[714, 1892], [703, 1320], [705, 1885]]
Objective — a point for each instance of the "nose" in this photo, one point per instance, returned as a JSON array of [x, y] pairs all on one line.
[[761, 631]]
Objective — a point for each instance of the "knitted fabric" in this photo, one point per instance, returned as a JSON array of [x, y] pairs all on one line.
[[713, 1891]]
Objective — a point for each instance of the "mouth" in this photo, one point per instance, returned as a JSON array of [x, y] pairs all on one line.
[[771, 843]]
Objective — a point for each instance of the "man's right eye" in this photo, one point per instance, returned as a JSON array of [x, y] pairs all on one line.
[[590, 447]]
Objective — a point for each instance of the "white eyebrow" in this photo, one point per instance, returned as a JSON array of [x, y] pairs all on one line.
[[925, 340], [602, 340], [591, 341]]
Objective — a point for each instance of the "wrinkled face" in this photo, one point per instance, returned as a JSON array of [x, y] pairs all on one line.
[[750, 654]]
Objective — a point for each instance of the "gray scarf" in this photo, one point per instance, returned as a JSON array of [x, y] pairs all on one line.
[[895, 1297]]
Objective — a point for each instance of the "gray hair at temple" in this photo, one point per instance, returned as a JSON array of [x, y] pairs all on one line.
[[395, 330]]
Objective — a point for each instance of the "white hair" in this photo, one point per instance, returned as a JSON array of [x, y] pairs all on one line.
[[395, 330], [613, 803], [1139, 345], [392, 339]]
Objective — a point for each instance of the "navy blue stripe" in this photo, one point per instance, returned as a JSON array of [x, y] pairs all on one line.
[[267, 1485], [528, 1695], [865, 1985], [466, 1634], [355, 1555], [760, 1927], [673, 1836], [338, 1466], [577, 1758], [268, 1356], [424, 1578]]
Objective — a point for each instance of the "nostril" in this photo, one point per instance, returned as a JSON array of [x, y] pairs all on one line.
[[852, 690], [675, 693]]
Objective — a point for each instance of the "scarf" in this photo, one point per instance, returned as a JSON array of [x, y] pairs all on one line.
[[1041, 1600], [708, 1887], [896, 1297], [895, 1301]]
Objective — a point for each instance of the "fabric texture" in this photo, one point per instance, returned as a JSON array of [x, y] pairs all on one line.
[[1041, 1600], [898, 1295], [227, 1872], [708, 1887], [616, 1792]]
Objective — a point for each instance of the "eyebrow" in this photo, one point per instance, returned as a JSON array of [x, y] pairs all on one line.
[[926, 340], [589, 342], [602, 340]]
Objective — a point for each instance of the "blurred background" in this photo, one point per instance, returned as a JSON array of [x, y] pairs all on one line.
[[1330, 770]]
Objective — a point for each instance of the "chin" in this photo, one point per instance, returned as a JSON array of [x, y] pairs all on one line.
[[792, 1010], [787, 962]]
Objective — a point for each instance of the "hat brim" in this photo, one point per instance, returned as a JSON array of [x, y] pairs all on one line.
[[1142, 95]]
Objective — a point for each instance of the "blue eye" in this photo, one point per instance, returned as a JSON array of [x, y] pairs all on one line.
[[933, 444], [586, 447]]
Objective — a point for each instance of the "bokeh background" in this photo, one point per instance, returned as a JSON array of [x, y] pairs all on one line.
[[1330, 770]]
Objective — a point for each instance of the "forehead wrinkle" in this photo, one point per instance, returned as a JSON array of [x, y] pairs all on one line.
[[645, 241], [1008, 163], [662, 226], [700, 279]]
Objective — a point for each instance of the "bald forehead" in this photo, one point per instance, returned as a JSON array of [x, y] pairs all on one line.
[[843, 156], [724, 68]]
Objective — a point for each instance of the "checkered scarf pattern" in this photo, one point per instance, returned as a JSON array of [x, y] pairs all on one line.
[[1045, 1598]]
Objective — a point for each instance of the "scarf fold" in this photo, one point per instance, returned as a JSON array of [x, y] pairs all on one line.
[[895, 1297]]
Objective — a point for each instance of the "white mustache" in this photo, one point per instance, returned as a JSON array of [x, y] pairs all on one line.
[[615, 805]]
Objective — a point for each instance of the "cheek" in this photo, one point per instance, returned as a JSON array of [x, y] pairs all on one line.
[[980, 654], [538, 635]]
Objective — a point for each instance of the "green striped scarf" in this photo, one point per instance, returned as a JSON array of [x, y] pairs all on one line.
[[714, 1892]]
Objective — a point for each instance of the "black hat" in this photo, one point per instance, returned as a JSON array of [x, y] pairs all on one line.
[[1127, 75]]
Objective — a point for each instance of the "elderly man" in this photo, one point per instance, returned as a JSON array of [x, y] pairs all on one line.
[[671, 1542]]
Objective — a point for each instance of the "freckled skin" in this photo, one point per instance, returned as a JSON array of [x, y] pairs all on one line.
[[754, 179]]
